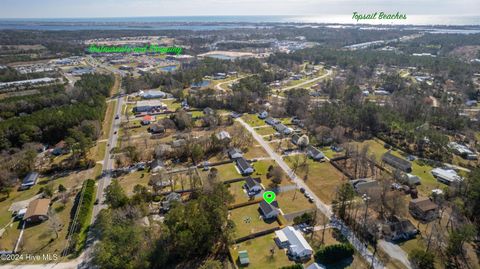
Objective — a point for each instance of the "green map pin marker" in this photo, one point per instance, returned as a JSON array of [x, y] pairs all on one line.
[[269, 196]]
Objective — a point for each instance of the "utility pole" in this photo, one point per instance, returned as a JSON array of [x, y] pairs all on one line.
[[365, 198]]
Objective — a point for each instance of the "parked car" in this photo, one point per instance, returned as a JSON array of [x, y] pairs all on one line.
[[117, 117], [310, 200], [302, 190]]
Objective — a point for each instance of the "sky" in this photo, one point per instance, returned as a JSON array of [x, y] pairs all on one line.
[[147, 8]]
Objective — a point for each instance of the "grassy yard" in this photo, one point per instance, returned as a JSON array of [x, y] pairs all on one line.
[[323, 178], [293, 201], [172, 104], [255, 151], [423, 171], [40, 238], [259, 253], [72, 180], [239, 194], [330, 153], [253, 120], [129, 181], [248, 220], [261, 170], [227, 171], [265, 130]]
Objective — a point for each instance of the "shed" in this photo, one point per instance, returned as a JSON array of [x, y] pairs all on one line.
[[243, 257]]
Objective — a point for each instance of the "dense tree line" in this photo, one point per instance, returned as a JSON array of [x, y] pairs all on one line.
[[191, 231]]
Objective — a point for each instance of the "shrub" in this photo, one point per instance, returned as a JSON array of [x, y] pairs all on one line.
[[157, 198], [334, 253]]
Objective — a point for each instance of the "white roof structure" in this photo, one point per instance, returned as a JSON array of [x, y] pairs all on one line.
[[28, 81], [298, 244], [152, 94], [282, 238], [223, 135], [315, 266], [446, 175]]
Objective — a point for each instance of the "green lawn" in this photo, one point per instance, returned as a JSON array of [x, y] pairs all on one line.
[[248, 220], [40, 238], [129, 181], [323, 179], [239, 194], [227, 171], [255, 151], [253, 120], [293, 201], [330, 153], [265, 130], [259, 253], [172, 104]]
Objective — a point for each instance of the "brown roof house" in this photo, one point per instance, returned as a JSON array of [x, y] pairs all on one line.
[[37, 211], [423, 209], [399, 230]]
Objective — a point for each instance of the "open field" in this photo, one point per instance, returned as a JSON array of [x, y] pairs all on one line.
[[255, 151], [248, 220], [293, 201], [323, 179]]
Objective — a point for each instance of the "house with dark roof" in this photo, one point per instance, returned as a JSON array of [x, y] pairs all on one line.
[[29, 180], [397, 162], [234, 153], [295, 139], [37, 211], [268, 210], [423, 209], [271, 121], [315, 153], [244, 166], [252, 186], [399, 230], [365, 186], [282, 128]]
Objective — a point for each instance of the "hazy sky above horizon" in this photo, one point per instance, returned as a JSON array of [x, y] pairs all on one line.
[[141, 8]]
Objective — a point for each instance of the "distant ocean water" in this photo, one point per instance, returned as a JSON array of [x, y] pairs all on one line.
[[218, 22]]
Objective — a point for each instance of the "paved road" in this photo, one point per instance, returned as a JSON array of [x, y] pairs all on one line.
[[329, 72], [82, 260], [324, 208], [108, 161]]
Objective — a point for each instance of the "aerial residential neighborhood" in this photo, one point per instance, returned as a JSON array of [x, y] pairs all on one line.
[[238, 141]]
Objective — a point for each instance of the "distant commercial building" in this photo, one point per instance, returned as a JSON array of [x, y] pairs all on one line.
[[36, 81], [152, 94], [148, 106]]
